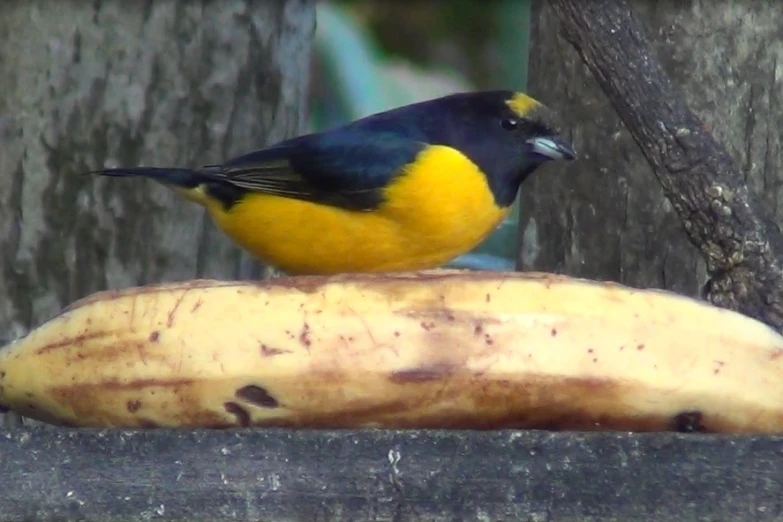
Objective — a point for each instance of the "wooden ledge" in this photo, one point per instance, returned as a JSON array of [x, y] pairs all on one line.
[[280, 475]]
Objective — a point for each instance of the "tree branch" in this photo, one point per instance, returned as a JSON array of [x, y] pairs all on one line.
[[742, 246]]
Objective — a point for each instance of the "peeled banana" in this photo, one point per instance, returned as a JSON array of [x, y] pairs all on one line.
[[432, 349]]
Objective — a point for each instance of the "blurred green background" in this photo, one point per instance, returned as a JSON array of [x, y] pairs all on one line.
[[372, 55]]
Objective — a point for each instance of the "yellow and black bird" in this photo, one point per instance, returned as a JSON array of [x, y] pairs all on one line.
[[406, 189]]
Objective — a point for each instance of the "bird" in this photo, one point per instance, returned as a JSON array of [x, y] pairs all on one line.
[[406, 189]]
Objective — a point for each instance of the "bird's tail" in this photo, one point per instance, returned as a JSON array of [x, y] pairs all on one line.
[[187, 182], [182, 178]]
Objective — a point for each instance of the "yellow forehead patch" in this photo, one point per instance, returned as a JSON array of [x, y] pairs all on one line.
[[522, 104]]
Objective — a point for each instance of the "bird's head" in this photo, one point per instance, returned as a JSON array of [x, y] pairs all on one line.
[[507, 134], [536, 127]]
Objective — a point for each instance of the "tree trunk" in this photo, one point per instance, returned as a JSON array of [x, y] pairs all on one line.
[[167, 82], [606, 215]]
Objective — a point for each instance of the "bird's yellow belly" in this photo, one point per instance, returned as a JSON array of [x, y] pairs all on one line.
[[438, 210]]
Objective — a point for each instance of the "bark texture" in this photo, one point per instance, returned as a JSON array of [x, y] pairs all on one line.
[[88, 84], [607, 215]]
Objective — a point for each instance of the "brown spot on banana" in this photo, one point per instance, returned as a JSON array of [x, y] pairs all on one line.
[[69, 342], [134, 384], [304, 335], [688, 422], [268, 351], [257, 395], [175, 309], [80, 398], [422, 374], [243, 417]]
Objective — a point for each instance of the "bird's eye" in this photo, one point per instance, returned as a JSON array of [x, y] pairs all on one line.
[[509, 123]]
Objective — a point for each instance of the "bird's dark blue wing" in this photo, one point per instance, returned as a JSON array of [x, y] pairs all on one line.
[[346, 167]]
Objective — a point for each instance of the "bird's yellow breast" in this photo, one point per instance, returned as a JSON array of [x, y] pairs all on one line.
[[438, 209]]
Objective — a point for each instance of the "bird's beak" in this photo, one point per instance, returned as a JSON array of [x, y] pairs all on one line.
[[552, 147]]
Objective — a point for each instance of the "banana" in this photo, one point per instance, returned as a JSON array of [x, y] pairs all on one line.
[[432, 349]]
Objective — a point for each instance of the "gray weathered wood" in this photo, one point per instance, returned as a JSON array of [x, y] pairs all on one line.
[[88, 84], [372, 476], [606, 216], [731, 227]]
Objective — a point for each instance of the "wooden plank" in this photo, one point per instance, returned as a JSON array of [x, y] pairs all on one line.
[[86, 475]]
